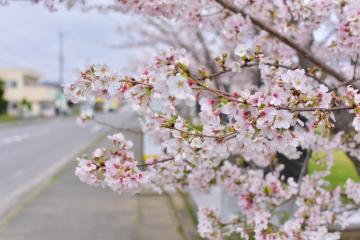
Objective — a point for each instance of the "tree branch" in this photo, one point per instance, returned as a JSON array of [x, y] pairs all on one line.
[[155, 162], [353, 208], [277, 65], [289, 42], [115, 127], [355, 65], [312, 109], [206, 51]]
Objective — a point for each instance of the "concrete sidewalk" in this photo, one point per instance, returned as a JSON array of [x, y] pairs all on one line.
[[69, 209]]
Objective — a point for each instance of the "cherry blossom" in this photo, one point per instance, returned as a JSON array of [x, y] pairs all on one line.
[[209, 224], [353, 190], [296, 78], [179, 88], [122, 174], [356, 123], [85, 172], [283, 119]]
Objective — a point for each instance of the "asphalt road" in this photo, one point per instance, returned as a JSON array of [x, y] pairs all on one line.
[[29, 150]]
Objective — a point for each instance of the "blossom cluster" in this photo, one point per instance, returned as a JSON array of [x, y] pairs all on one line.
[[259, 125], [116, 169], [313, 207]]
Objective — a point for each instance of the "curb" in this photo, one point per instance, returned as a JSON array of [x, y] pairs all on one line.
[[187, 227], [23, 195]]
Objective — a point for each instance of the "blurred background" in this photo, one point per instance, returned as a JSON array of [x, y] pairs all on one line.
[[40, 197]]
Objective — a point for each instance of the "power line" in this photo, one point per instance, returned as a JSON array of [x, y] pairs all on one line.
[[61, 58]]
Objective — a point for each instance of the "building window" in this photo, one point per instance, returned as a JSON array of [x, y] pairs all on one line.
[[13, 106], [29, 81], [11, 84]]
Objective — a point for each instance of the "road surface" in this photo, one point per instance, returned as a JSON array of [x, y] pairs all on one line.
[[30, 150]]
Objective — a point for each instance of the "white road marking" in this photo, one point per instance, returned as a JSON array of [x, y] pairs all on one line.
[[22, 137], [14, 139]]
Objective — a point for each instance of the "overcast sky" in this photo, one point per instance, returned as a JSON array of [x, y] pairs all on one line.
[[29, 38]]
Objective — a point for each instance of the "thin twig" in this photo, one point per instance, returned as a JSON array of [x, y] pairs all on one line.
[[353, 208], [215, 75], [137, 82], [193, 134], [353, 79], [277, 65], [355, 65], [312, 109], [115, 127], [291, 109], [228, 136], [343, 84], [155, 162]]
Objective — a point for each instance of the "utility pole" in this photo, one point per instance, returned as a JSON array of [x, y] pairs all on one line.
[[61, 58]]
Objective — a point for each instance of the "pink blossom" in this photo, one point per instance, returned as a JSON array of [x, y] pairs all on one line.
[[283, 119], [206, 104], [352, 190], [296, 78], [266, 117], [179, 87], [356, 123], [86, 172], [208, 226]]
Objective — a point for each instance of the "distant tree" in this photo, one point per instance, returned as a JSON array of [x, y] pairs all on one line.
[[3, 102], [26, 104]]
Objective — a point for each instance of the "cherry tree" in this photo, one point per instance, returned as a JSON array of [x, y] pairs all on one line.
[[303, 98]]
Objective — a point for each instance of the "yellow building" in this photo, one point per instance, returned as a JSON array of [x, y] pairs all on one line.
[[22, 87]]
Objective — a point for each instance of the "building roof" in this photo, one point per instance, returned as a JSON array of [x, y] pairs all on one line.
[[11, 71]]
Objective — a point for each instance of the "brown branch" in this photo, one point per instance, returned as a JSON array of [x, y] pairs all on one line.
[[353, 208], [172, 38], [193, 134], [137, 82], [277, 65], [228, 136], [289, 42], [218, 92], [155, 162], [355, 65], [343, 84], [294, 68], [313, 109], [215, 75], [206, 51], [115, 127]]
